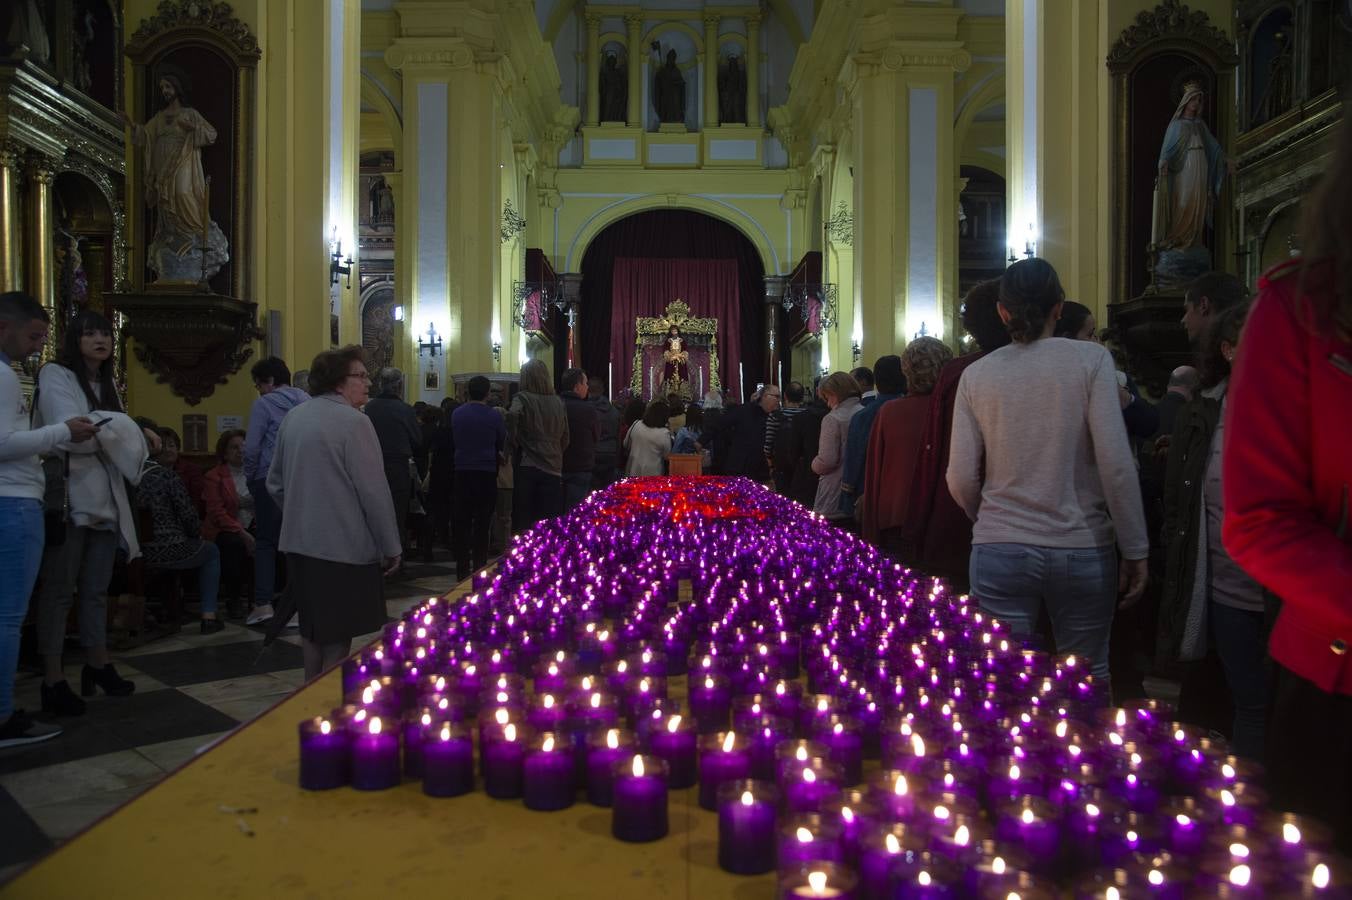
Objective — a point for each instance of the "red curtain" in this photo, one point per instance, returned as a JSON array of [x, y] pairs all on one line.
[[644, 287]]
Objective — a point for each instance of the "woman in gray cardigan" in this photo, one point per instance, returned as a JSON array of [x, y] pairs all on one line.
[[338, 524], [537, 425]]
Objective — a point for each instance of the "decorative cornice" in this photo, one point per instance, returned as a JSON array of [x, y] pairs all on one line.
[[898, 57], [449, 53], [1174, 22], [215, 17]]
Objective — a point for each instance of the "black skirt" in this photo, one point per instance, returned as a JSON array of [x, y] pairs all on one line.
[[336, 601]]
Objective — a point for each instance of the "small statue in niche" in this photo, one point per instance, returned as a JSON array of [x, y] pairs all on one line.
[[1276, 95], [614, 84], [732, 92], [26, 27], [381, 197], [1192, 166], [669, 89], [187, 246], [82, 42]]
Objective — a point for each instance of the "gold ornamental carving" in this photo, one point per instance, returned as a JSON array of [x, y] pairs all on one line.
[[1171, 21], [649, 329]]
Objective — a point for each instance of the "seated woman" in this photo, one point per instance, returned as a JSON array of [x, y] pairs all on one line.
[[230, 516], [174, 543]]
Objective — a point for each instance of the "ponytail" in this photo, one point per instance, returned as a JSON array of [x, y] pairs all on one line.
[[1029, 291]]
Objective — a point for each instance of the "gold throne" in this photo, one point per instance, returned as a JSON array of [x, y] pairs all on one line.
[[700, 342]]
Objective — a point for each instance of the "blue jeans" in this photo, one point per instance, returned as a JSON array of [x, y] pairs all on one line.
[[21, 534], [268, 528], [576, 487], [1242, 647], [1078, 587], [207, 562]]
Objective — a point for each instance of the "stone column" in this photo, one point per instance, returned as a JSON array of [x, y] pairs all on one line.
[[570, 286], [774, 296], [10, 266], [634, 24], [711, 70], [593, 69], [39, 265], [753, 117]]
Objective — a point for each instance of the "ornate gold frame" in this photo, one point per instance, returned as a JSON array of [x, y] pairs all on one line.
[[678, 314]]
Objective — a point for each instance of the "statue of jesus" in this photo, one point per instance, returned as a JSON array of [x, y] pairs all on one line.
[[676, 360]]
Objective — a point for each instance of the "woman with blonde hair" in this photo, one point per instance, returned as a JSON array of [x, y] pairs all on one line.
[[841, 394], [537, 425]]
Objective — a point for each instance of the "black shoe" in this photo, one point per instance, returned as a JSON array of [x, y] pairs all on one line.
[[19, 729], [113, 684], [210, 626], [59, 700], [234, 610]]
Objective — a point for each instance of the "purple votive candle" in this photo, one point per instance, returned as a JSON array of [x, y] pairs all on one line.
[[375, 755], [787, 652], [620, 677], [639, 808], [1239, 804], [710, 699], [416, 724], [651, 663], [1034, 825], [552, 674], [674, 741], [808, 838], [894, 792], [547, 775], [856, 813], [815, 711], [816, 880], [1294, 836], [746, 826], [809, 788], [845, 746], [546, 713], [382, 696], [1189, 824], [448, 761], [502, 754], [605, 748], [880, 848], [790, 756], [357, 670], [785, 699], [766, 733], [723, 757], [325, 754]]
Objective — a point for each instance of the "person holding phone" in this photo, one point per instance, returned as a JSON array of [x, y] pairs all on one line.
[[80, 384]]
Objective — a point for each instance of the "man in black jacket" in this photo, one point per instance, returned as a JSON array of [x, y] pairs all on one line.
[[745, 431], [605, 470], [399, 434], [584, 431]]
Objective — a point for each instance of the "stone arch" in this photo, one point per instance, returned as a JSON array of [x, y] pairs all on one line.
[[990, 92], [373, 93], [627, 206]]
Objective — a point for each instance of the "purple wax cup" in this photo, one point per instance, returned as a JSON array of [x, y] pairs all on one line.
[[639, 805], [674, 741], [765, 733], [710, 699], [502, 753], [325, 754], [845, 746], [375, 754], [547, 774], [747, 816], [723, 757], [1033, 825], [605, 748], [807, 838], [447, 761]]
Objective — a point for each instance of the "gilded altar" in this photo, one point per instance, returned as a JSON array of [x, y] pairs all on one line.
[[688, 369]]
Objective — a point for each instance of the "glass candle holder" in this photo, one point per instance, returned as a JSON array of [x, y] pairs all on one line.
[[793, 755], [1293, 836], [816, 880], [785, 699], [816, 709], [710, 699], [1034, 825], [844, 741], [416, 723], [1239, 804], [639, 807], [502, 754], [806, 838], [880, 846], [448, 760], [1189, 822], [808, 788], [765, 733], [675, 741], [553, 673], [605, 748], [856, 813], [375, 754], [895, 793], [723, 757], [325, 754], [546, 712], [547, 773], [747, 812]]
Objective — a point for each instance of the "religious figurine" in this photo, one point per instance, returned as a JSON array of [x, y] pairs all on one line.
[[1192, 166], [187, 246], [26, 27], [1276, 96], [614, 80], [732, 92], [381, 196], [669, 89], [676, 362]]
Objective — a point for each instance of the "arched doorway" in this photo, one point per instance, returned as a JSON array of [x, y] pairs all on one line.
[[377, 324], [981, 228], [673, 234]]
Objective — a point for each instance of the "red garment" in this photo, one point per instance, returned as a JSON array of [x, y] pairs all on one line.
[[894, 445], [1287, 471], [194, 479], [934, 522], [222, 503]]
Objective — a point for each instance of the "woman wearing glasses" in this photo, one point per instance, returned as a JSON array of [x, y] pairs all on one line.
[[338, 524]]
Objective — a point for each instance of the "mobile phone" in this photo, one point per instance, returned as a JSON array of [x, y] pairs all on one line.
[[102, 422]]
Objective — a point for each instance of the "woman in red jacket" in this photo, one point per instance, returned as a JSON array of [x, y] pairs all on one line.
[[229, 515], [1287, 472]]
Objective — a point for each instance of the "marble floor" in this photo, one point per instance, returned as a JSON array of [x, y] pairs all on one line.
[[191, 690]]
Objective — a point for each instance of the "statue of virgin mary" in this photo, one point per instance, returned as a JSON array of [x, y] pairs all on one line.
[[1192, 167]]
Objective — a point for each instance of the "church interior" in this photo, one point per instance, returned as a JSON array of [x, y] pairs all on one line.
[[784, 188]]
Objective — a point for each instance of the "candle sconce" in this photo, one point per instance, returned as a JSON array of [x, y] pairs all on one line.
[[337, 264], [433, 343], [497, 352], [816, 304], [856, 352]]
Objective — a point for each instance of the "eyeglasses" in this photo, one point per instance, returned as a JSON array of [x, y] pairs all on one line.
[[364, 376]]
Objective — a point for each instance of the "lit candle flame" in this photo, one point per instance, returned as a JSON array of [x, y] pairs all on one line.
[[817, 881], [1239, 850], [426, 719], [1092, 810], [728, 741], [446, 732], [809, 776], [502, 716], [1321, 876], [1240, 875], [917, 745], [613, 738], [901, 787], [1027, 817], [1014, 773], [709, 683], [324, 726], [839, 728], [941, 812], [509, 733], [924, 879], [804, 836], [1182, 820], [1112, 893], [1156, 877], [1228, 771], [674, 724], [962, 836], [367, 695], [801, 753], [548, 702], [893, 845], [596, 701], [548, 745], [747, 798], [1227, 798], [374, 727], [1290, 833], [847, 814], [638, 767], [998, 865]]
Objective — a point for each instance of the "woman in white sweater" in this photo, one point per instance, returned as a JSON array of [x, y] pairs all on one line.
[[80, 383], [649, 441], [842, 395]]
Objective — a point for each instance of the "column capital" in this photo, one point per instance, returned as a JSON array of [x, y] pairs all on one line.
[[753, 19], [711, 19], [39, 167], [11, 152], [634, 22], [593, 19]]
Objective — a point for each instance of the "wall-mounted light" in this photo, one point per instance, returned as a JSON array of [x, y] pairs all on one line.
[[433, 343], [398, 313], [1030, 245], [497, 352], [856, 352], [338, 265]]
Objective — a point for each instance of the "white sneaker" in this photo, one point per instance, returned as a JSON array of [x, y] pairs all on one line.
[[294, 622], [259, 614]]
